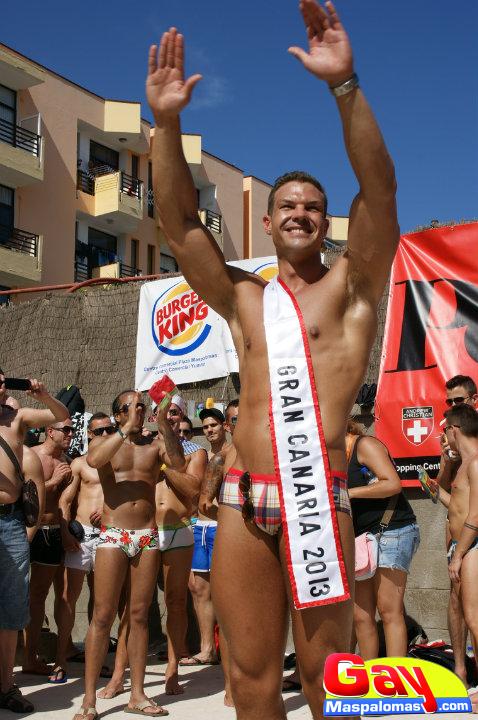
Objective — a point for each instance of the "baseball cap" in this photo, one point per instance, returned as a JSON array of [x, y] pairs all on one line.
[[176, 400], [212, 412]]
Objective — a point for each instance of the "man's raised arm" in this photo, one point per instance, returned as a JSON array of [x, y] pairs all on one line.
[[373, 228], [199, 257]]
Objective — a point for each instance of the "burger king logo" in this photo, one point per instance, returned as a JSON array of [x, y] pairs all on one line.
[[267, 270], [179, 320]]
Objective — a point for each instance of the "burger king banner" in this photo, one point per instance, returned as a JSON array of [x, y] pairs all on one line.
[[431, 334], [179, 335]]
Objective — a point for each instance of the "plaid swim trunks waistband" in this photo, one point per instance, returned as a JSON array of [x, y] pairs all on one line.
[[265, 497]]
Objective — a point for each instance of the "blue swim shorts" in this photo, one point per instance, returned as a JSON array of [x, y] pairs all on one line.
[[397, 546], [204, 534]]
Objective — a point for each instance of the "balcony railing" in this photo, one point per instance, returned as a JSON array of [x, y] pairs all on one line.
[[129, 271], [20, 137], [19, 240], [90, 256], [211, 220], [129, 185]]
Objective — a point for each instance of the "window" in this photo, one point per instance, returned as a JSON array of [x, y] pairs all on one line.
[[151, 259], [7, 197], [103, 159], [134, 165], [150, 191], [168, 264], [134, 253], [8, 103]]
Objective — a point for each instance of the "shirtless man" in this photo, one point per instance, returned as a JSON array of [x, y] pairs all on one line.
[[214, 428], [85, 490], [339, 310], [128, 465], [462, 434], [175, 505], [5, 398], [15, 555], [46, 549]]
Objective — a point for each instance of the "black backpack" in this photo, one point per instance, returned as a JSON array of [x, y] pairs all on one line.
[[71, 397]]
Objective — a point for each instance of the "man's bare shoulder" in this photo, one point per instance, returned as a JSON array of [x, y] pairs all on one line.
[[244, 280], [79, 464], [472, 469]]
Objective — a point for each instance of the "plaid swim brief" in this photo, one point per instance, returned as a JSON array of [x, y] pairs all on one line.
[[265, 497]]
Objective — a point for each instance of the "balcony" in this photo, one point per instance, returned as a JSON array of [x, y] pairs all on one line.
[[115, 198], [20, 257], [94, 262], [21, 161], [213, 222]]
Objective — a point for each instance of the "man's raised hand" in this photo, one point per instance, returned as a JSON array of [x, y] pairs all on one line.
[[166, 89], [330, 53]]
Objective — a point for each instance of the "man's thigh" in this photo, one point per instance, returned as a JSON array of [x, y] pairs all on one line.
[[74, 583], [469, 586], [143, 573], [249, 596], [176, 570], [328, 628], [111, 568]]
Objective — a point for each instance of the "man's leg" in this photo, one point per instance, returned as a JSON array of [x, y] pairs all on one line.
[[458, 632], [176, 570], [143, 574], [41, 579], [318, 632], [111, 566], [8, 646], [115, 685], [365, 624], [469, 596], [200, 587], [225, 662], [250, 600], [390, 590], [66, 614]]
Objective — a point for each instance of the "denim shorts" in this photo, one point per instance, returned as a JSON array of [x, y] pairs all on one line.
[[396, 547], [14, 568]]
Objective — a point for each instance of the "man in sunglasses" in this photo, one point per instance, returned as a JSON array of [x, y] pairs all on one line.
[[460, 389], [86, 493], [128, 465], [46, 551]]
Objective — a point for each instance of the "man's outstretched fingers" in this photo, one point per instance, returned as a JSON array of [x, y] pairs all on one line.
[[179, 53], [333, 15], [152, 59], [162, 51]]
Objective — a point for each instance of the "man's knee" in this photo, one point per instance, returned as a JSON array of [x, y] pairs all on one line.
[[176, 599], [103, 618], [138, 613], [252, 688]]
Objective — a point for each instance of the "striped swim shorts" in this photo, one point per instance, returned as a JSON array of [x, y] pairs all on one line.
[[265, 497]]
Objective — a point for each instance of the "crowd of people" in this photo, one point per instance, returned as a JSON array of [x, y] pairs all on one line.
[[127, 535]]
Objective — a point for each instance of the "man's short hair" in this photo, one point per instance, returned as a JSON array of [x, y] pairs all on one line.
[[188, 421], [466, 417], [464, 381], [97, 416], [233, 403], [294, 176], [116, 405]]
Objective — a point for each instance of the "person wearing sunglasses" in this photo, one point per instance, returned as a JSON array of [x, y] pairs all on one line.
[[128, 465], [461, 428], [459, 389], [79, 538], [46, 550]]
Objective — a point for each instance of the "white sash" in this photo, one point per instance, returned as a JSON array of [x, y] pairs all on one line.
[[314, 553]]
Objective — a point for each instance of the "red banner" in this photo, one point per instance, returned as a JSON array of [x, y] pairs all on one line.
[[431, 334]]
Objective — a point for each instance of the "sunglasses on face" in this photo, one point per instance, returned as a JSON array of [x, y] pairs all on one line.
[[109, 430], [245, 488], [456, 400], [139, 406], [185, 432], [66, 430], [173, 412]]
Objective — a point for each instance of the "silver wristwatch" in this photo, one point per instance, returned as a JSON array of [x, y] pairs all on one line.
[[346, 86]]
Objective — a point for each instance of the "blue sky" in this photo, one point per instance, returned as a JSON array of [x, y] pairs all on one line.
[[260, 110]]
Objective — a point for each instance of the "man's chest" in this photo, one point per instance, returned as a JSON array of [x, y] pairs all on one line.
[[137, 458]]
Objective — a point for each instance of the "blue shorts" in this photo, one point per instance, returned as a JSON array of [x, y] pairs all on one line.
[[14, 570], [396, 547], [204, 534]]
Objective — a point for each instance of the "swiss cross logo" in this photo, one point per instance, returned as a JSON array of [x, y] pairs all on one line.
[[417, 424]]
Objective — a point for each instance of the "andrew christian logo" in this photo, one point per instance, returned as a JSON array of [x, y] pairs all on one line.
[[390, 686], [417, 424], [178, 321]]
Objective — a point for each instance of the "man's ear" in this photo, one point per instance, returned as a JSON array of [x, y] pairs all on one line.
[[266, 221]]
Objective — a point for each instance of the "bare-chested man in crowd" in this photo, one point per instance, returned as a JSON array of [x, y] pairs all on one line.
[[128, 465], [84, 492], [14, 549], [333, 317], [46, 551], [462, 435]]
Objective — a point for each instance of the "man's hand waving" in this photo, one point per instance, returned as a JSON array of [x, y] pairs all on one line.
[[330, 54], [166, 89]]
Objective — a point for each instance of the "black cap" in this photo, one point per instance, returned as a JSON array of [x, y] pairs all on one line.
[[212, 412]]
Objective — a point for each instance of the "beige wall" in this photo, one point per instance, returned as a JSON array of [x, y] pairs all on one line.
[[227, 180], [256, 242]]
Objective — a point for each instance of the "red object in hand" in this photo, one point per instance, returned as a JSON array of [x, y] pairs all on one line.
[[162, 387]]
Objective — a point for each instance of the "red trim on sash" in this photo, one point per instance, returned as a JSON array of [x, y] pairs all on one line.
[[328, 476]]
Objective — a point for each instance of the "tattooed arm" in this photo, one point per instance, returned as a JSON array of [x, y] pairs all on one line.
[[211, 485]]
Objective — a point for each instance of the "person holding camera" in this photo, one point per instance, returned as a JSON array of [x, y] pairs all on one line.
[[14, 548]]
